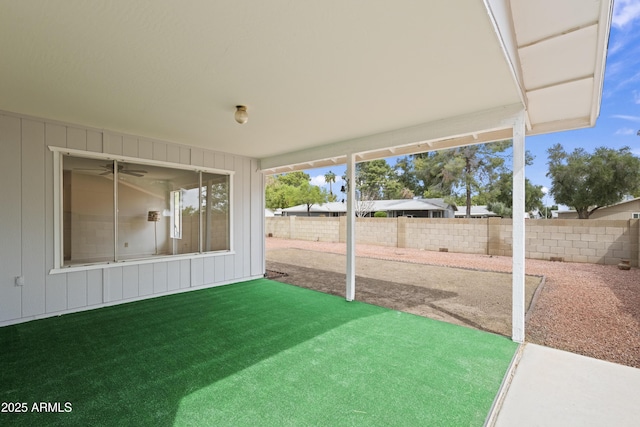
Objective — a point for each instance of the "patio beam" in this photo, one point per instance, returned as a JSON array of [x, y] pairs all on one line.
[[518, 230], [351, 228]]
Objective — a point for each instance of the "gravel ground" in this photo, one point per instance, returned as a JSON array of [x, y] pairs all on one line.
[[589, 309]]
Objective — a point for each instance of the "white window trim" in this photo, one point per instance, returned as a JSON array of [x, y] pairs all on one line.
[[635, 215], [58, 213]]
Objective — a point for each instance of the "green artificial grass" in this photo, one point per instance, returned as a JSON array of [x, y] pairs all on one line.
[[257, 353]]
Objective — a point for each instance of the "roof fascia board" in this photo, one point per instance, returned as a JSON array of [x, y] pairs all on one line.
[[502, 20], [604, 26], [467, 124]]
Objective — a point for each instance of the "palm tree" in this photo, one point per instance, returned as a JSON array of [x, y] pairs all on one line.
[[330, 177]]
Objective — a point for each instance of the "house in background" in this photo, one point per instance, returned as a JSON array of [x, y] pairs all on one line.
[[418, 208], [479, 211], [135, 137], [627, 209]]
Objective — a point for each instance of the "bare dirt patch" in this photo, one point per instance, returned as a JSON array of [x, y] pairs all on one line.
[[587, 309]]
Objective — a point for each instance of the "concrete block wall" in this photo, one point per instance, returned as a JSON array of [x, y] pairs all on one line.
[[592, 241], [589, 241], [377, 231], [455, 235]]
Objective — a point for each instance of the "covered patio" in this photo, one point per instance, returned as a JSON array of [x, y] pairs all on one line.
[[127, 177]]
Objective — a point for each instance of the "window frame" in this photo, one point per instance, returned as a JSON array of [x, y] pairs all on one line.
[[58, 214], [635, 215]]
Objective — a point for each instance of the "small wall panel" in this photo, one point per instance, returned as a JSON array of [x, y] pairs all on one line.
[[56, 292], [185, 273], [238, 225], [130, 146], [33, 217], [185, 155], [10, 253], [114, 284], [209, 270], [130, 281], [145, 149], [76, 138], [219, 269], [76, 289], [94, 287], [159, 151], [112, 144], [173, 275], [145, 277], [197, 157], [94, 141], [160, 277], [173, 154], [197, 272], [257, 220]]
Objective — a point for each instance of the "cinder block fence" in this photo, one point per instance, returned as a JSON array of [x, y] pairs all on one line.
[[572, 240]]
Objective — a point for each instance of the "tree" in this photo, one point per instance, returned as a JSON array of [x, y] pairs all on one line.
[[308, 194], [462, 171], [533, 194], [376, 180], [294, 188], [330, 177], [587, 182], [406, 175]]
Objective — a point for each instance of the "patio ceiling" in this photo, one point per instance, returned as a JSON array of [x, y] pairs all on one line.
[[319, 78]]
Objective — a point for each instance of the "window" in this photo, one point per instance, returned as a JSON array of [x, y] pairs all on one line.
[[118, 210], [635, 215]]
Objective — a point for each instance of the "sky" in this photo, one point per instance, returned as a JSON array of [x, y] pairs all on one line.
[[619, 120]]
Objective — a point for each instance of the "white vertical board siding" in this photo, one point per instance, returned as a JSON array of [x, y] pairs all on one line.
[[173, 275], [10, 212], [28, 229], [145, 279], [33, 221], [257, 220], [130, 286], [77, 289], [55, 285]]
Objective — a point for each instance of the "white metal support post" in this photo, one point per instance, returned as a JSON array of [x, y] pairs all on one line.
[[351, 228], [518, 229]]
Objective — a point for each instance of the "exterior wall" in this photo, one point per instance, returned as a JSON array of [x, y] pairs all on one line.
[[26, 212], [622, 211], [590, 241]]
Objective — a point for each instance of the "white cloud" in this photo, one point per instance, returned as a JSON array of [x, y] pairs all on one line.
[[625, 131], [318, 180], [625, 117], [636, 96], [625, 12]]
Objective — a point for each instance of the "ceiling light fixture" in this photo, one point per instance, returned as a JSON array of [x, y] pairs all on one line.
[[241, 115]]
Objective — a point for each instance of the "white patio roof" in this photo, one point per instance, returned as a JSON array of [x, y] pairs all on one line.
[[319, 78]]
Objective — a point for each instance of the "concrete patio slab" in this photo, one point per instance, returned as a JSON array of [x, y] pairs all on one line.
[[556, 388]]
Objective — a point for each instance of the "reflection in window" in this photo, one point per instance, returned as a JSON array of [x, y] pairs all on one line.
[[158, 211]]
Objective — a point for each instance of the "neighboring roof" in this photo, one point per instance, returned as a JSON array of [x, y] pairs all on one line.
[[604, 207], [480, 210], [377, 205], [320, 79]]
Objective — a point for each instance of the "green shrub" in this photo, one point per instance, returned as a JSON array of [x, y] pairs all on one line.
[[380, 215]]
